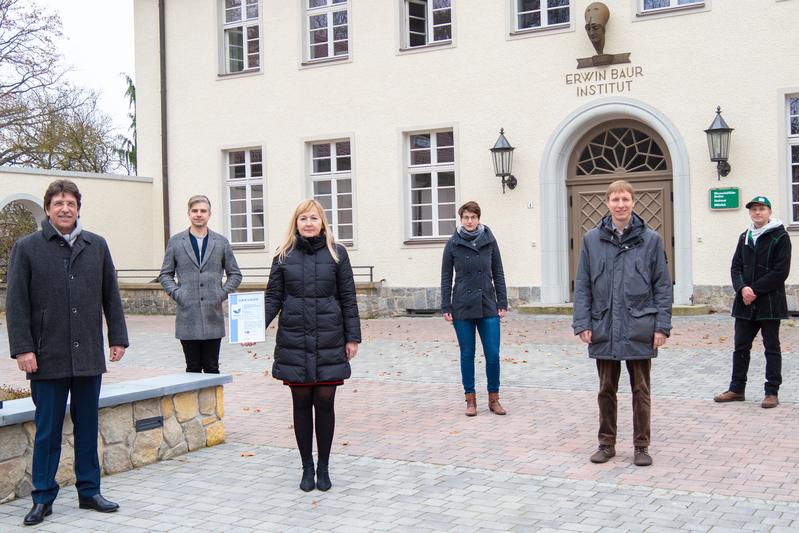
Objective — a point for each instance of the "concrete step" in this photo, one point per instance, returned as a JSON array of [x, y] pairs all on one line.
[[566, 309]]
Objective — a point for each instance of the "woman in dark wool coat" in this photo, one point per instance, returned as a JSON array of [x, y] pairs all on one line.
[[312, 287]]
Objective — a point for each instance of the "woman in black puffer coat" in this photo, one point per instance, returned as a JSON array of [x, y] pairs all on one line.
[[312, 287]]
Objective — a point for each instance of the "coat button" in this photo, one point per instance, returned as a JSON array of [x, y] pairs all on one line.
[[201, 299], [76, 344], [61, 244], [72, 276], [74, 309], [201, 284]]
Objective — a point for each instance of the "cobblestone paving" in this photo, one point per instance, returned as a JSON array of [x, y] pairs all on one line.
[[406, 459]]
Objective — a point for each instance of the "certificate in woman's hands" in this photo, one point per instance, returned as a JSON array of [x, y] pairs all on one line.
[[246, 317]]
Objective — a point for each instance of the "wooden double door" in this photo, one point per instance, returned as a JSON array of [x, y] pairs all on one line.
[[619, 150]]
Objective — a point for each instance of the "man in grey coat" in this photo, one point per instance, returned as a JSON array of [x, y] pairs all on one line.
[[622, 310], [61, 280], [191, 274]]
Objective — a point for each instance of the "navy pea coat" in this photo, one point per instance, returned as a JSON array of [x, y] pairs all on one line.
[[479, 289]]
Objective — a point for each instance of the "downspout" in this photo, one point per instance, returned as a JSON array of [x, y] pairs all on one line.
[[164, 150]]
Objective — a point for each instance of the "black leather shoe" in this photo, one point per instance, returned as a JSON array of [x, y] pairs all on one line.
[[37, 513], [98, 503]]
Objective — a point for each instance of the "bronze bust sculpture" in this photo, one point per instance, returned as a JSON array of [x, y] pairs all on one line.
[[597, 15], [596, 18]]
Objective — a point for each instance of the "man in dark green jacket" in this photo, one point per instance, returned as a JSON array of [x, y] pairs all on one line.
[[759, 269]]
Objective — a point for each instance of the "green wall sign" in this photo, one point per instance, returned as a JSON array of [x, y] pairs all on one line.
[[725, 198]]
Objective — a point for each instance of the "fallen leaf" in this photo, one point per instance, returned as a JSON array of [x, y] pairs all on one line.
[[247, 454]]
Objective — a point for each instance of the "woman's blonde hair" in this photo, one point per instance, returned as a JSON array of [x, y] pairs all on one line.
[[290, 240]]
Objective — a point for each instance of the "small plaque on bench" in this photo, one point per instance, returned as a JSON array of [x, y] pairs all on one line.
[[146, 424]]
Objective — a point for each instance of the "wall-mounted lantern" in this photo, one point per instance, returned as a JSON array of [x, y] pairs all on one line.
[[718, 143], [502, 152]]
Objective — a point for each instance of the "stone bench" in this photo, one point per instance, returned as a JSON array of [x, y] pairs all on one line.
[[141, 422]]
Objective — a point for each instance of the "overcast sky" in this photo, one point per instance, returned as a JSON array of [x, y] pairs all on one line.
[[98, 43]]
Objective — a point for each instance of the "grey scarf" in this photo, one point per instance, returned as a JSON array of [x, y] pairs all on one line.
[[471, 235], [71, 236]]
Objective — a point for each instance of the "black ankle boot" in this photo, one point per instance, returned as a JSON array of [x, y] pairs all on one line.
[[307, 482], [323, 477]]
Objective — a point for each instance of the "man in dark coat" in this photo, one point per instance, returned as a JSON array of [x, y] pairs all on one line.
[[759, 269], [622, 310], [198, 257], [60, 280]]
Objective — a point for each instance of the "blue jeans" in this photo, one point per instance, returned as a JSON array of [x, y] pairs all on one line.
[[488, 328]]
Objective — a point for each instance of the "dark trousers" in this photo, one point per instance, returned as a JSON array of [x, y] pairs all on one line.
[[50, 398], [202, 355], [609, 372], [745, 333]]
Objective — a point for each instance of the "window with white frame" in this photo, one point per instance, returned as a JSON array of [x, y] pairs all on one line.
[[431, 183], [331, 178], [647, 6], [427, 22], [326, 29], [245, 193], [241, 35], [793, 154], [530, 14]]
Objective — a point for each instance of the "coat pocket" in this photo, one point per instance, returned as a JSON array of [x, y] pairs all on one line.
[[642, 324], [600, 327]]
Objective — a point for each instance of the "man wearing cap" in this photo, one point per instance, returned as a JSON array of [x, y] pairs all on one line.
[[759, 269]]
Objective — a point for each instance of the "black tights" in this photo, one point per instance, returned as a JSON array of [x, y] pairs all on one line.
[[307, 400]]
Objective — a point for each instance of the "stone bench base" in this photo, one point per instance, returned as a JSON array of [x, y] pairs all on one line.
[[141, 422]]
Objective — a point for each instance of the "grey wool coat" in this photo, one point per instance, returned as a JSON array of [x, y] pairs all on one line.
[[55, 301], [622, 293], [197, 288]]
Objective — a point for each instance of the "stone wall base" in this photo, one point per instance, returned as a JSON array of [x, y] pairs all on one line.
[[720, 297], [191, 420]]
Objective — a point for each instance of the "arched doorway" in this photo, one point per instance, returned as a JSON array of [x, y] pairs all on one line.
[[620, 149], [554, 204]]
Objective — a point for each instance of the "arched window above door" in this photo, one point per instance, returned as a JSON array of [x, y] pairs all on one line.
[[620, 150]]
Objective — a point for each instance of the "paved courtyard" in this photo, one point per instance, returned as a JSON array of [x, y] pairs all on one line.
[[406, 459]]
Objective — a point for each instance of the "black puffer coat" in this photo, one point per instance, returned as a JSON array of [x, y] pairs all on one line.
[[764, 268], [479, 278], [315, 297]]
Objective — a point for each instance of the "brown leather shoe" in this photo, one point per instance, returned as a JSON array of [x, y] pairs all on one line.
[[471, 404], [642, 457], [729, 396], [770, 401], [494, 405], [603, 453]]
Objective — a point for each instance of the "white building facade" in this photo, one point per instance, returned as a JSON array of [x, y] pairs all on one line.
[[384, 110]]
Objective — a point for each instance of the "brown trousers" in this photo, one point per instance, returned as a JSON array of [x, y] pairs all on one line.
[[609, 372]]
